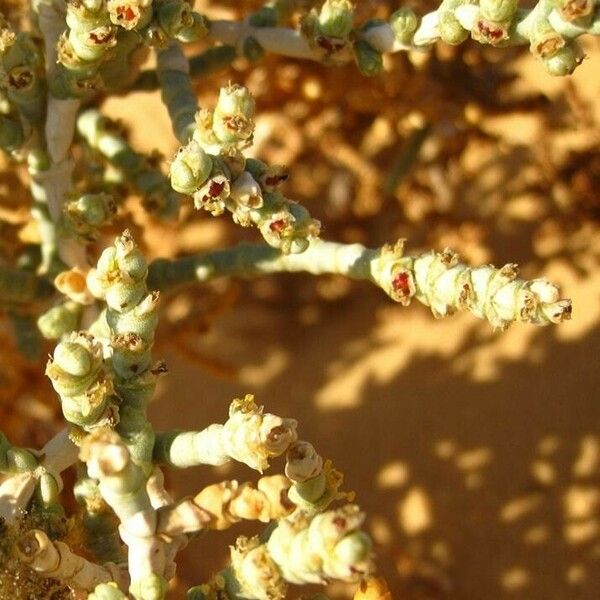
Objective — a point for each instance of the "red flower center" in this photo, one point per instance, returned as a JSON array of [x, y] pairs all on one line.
[[401, 283]]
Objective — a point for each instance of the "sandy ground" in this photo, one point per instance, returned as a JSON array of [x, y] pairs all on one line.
[[475, 454]]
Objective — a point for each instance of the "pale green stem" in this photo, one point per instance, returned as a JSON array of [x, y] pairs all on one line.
[[437, 280], [13, 459], [173, 73], [208, 62], [290, 42], [39, 167], [110, 144], [248, 260], [101, 525]]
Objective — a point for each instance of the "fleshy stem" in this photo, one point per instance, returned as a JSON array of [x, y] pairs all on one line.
[[30, 471], [550, 29], [108, 139], [210, 61], [437, 280], [58, 561], [131, 318], [248, 436], [56, 181], [173, 74], [122, 484], [301, 549]]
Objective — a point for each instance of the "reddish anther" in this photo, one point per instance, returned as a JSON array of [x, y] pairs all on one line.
[[101, 39], [126, 13], [277, 226], [215, 189], [401, 283], [492, 33]]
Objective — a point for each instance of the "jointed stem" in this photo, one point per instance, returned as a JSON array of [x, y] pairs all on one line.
[[201, 65], [247, 260]]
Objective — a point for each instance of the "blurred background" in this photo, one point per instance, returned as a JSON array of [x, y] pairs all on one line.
[[475, 453]]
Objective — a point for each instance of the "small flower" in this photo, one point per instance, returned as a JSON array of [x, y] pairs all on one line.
[[498, 10], [213, 194], [302, 462], [73, 284], [336, 18], [489, 32], [130, 14], [404, 23], [368, 60], [190, 168]]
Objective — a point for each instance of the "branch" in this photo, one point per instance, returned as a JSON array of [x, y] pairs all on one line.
[[58, 561], [437, 280], [248, 436], [201, 65], [329, 37], [221, 505]]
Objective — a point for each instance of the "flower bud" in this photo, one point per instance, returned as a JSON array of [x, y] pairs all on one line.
[[276, 434], [197, 29], [255, 571], [73, 358], [152, 587], [174, 15], [233, 116], [302, 462], [107, 591], [235, 100], [368, 60], [76, 364], [190, 168], [271, 178], [246, 192], [546, 292], [86, 214], [130, 14], [335, 18], [404, 23], [130, 259], [141, 320], [83, 16], [451, 31], [59, 320], [203, 133], [353, 548], [498, 10], [564, 61], [47, 489], [329, 528]]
